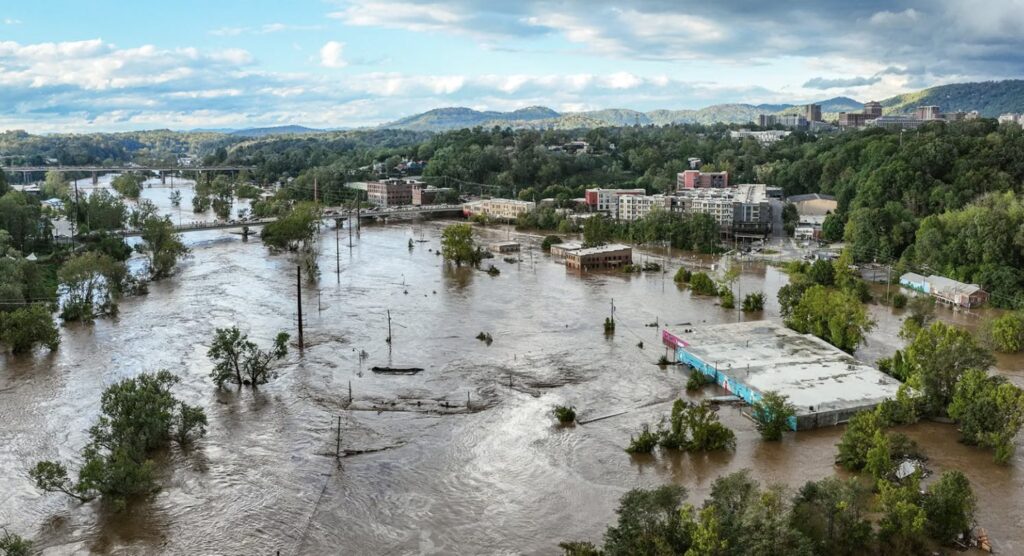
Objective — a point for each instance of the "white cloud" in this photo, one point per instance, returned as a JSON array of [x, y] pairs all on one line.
[[94, 64], [401, 15], [331, 55], [11, 21]]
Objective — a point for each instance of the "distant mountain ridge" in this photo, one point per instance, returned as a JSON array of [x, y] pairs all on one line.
[[441, 119], [277, 130], [990, 98]]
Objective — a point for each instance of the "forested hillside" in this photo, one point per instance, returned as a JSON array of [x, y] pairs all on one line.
[[990, 98]]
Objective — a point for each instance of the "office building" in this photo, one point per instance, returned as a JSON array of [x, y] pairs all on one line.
[[695, 179], [812, 112], [872, 109], [390, 192], [927, 113]]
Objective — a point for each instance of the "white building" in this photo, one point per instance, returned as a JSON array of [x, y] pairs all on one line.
[[607, 200], [635, 207], [1011, 118], [764, 137], [502, 209]]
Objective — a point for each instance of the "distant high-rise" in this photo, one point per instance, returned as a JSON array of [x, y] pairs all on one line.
[[927, 113], [872, 109], [813, 112], [767, 120]]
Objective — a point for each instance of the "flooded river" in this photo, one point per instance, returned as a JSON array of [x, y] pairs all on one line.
[[498, 477]]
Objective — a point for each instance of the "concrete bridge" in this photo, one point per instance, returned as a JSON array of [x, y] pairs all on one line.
[[161, 170], [338, 214]]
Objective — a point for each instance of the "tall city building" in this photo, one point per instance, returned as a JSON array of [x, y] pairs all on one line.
[[813, 112], [872, 109]]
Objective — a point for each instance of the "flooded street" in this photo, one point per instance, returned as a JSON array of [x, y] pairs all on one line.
[[496, 477]]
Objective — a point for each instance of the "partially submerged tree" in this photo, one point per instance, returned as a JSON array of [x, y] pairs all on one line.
[[950, 506], [939, 355], [772, 414], [161, 246], [138, 416], [13, 545], [989, 410], [834, 316], [240, 361], [90, 283], [22, 329], [128, 185], [457, 245]]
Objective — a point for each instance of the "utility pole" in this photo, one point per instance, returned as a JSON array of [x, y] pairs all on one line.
[[337, 248], [888, 281], [298, 301], [314, 189], [389, 327], [337, 449]]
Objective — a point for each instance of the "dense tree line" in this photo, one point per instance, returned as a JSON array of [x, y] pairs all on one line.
[[826, 517]]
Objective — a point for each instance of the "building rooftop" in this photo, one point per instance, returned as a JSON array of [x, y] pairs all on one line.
[[943, 283], [610, 248], [766, 356], [809, 197], [912, 277]]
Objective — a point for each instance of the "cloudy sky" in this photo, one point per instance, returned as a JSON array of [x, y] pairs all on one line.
[[69, 65]]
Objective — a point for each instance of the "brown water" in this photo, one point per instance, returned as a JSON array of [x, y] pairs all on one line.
[[499, 478]]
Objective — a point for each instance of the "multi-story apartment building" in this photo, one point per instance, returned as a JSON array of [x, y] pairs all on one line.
[[695, 179], [635, 207], [793, 120], [390, 192], [607, 200], [743, 211], [872, 109], [500, 209], [767, 120]]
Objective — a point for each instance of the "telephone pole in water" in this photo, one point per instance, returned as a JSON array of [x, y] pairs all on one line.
[[298, 301]]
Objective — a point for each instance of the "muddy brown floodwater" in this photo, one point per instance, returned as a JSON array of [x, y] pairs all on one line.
[[497, 478]]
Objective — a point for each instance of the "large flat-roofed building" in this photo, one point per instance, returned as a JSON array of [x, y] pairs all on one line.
[[390, 192], [742, 211], [604, 257], [826, 385], [607, 200], [695, 179], [562, 249], [501, 209], [766, 137], [813, 204]]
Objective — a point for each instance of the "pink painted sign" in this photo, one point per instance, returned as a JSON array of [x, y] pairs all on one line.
[[671, 340]]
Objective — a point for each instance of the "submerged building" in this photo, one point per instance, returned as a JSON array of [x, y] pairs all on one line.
[[826, 385]]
